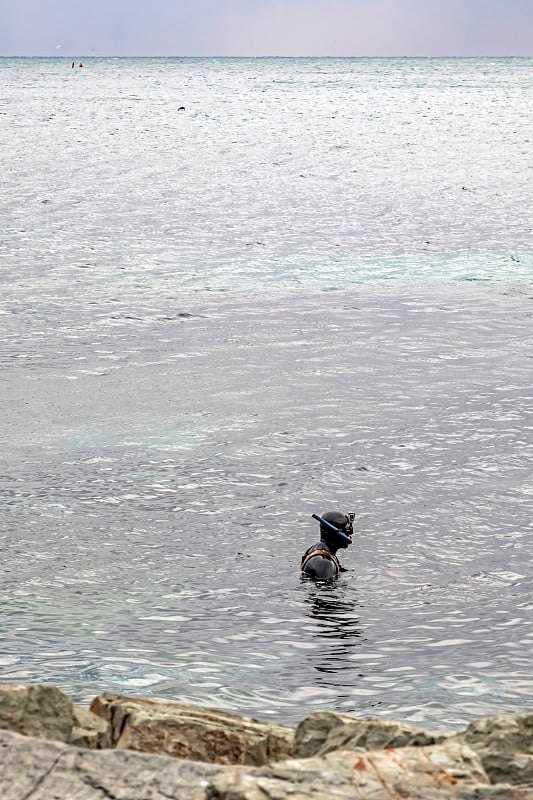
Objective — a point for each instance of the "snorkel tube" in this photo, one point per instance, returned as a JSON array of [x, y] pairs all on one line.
[[332, 528]]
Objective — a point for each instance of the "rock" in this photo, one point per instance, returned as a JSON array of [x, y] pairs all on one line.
[[89, 730], [335, 755], [505, 746], [184, 731], [507, 734], [449, 770], [41, 710], [32, 769], [52, 771], [514, 768], [325, 731]]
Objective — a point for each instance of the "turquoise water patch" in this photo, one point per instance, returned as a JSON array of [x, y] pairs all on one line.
[[140, 439], [323, 274]]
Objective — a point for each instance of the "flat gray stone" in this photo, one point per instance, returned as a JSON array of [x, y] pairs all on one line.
[[32, 769]]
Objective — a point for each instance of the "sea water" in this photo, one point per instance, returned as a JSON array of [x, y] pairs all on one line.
[[236, 292]]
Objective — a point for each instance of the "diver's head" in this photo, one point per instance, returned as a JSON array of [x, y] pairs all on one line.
[[341, 521]]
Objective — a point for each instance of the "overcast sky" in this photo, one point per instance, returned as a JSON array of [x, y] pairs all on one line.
[[266, 27]]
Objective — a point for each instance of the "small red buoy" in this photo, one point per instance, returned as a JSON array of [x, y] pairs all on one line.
[[80, 65]]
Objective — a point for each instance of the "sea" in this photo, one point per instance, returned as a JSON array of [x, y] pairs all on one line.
[[238, 292]]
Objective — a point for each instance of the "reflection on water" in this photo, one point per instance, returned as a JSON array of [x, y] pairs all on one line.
[[337, 632], [337, 635]]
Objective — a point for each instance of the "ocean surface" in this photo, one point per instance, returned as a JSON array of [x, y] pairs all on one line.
[[236, 292]]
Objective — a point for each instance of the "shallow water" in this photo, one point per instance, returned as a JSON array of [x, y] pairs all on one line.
[[219, 321]]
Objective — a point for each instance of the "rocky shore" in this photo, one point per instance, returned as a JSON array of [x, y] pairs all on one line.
[[124, 748]]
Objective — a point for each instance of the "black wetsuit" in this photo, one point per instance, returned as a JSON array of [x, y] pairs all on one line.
[[320, 562]]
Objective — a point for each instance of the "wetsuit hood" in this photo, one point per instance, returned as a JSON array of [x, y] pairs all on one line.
[[340, 521]]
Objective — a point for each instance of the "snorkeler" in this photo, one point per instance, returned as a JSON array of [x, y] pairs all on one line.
[[320, 561]]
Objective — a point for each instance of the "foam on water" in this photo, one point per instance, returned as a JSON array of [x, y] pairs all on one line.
[[312, 288]]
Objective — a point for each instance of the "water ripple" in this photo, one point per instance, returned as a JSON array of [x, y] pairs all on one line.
[[216, 323]]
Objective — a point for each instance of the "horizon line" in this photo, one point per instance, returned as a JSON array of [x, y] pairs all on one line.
[[200, 57]]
